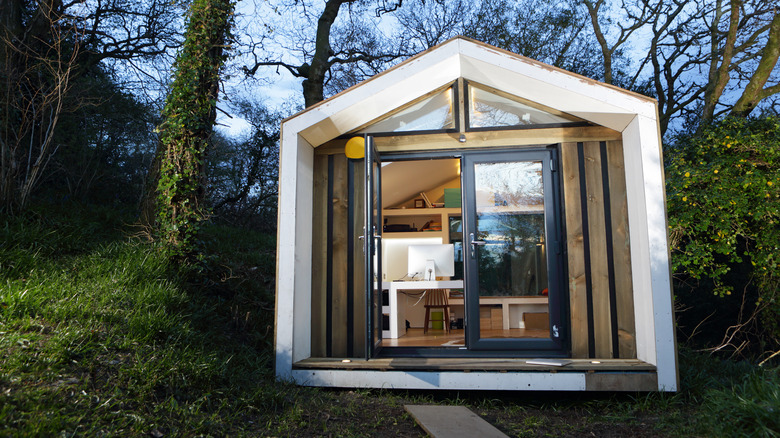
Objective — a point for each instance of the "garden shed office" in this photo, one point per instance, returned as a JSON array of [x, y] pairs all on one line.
[[474, 219]]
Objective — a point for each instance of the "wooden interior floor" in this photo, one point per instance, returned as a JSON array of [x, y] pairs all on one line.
[[455, 338]]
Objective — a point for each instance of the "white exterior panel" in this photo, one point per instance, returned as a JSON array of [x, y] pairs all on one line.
[[386, 92], [293, 243], [650, 264], [541, 381], [304, 202]]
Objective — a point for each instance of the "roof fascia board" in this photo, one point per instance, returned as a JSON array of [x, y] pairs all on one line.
[[377, 97], [552, 87], [501, 58], [547, 92], [567, 92]]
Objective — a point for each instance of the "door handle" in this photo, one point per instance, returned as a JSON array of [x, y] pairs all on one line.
[[474, 244]]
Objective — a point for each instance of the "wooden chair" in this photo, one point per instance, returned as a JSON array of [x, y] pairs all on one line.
[[437, 299]]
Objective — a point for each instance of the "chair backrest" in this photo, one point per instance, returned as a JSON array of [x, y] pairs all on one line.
[[436, 298]]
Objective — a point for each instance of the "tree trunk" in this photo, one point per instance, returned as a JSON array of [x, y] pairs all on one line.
[[189, 115], [719, 75], [314, 84], [754, 91], [593, 11]]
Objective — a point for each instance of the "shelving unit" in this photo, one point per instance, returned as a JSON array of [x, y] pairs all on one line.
[[417, 217], [413, 217]]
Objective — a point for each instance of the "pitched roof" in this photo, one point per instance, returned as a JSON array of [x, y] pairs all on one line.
[[439, 66]]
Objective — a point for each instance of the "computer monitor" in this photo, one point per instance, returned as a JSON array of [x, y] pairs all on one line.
[[431, 261]]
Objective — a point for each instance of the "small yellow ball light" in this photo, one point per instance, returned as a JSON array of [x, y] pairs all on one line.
[[355, 148]]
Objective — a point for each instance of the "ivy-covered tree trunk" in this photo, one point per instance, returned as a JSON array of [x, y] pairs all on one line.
[[189, 115]]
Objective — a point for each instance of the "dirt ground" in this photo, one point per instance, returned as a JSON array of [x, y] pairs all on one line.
[[381, 414]]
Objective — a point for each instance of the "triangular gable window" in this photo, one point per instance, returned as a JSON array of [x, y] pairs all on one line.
[[488, 109], [434, 113]]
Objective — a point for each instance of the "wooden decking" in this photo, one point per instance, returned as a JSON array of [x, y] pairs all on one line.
[[475, 364]]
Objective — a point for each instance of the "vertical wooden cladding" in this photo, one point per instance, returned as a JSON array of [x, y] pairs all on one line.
[[338, 321], [329, 262], [622, 250], [611, 326], [575, 251], [319, 280]]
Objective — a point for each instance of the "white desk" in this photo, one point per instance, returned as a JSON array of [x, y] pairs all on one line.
[[398, 313]]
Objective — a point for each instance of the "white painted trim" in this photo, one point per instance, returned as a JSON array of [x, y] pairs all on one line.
[[650, 264], [304, 195], [288, 244], [660, 264], [531, 80], [554, 88], [541, 381], [640, 259], [346, 112]]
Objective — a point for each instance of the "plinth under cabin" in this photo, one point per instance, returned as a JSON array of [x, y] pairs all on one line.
[[474, 219]]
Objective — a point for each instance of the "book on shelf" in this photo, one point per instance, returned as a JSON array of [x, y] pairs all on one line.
[[427, 201]]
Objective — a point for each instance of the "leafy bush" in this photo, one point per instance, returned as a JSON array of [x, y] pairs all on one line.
[[723, 192]]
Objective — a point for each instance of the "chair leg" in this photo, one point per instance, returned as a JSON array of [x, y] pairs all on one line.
[[427, 320]]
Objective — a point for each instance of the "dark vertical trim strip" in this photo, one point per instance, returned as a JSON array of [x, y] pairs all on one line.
[[350, 258], [466, 107], [586, 248], [456, 106], [329, 264], [610, 251]]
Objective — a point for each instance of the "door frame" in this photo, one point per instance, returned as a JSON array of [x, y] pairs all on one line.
[[560, 348], [372, 248], [553, 213]]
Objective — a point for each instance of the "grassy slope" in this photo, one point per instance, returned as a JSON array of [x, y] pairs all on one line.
[[100, 335]]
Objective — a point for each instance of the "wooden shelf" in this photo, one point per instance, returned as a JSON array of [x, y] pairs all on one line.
[[413, 234], [420, 216], [420, 211]]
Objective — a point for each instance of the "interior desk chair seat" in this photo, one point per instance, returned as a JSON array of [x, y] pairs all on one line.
[[437, 299]]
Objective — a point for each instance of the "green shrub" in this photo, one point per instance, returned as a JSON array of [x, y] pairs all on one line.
[[723, 193]]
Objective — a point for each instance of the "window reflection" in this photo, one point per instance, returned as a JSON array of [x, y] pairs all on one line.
[[487, 109]]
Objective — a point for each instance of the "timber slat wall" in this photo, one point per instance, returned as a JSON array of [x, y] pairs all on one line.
[[607, 331], [319, 280], [338, 323], [625, 301], [575, 245], [601, 296]]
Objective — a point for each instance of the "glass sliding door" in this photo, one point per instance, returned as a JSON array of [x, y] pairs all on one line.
[[511, 251]]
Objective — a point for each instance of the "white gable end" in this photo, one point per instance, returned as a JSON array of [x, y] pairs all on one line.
[[554, 88]]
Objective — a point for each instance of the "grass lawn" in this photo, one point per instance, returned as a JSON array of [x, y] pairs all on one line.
[[101, 336]]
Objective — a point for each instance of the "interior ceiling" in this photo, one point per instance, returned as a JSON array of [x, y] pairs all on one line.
[[404, 180]]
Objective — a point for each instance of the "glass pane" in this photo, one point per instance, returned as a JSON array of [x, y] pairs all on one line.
[[487, 109], [430, 114], [512, 264]]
